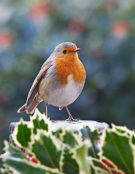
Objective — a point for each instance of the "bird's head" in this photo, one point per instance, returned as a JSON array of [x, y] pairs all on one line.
[[66, 50]]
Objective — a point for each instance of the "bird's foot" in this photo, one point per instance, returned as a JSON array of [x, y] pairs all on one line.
[[72, 119], [70, 116]]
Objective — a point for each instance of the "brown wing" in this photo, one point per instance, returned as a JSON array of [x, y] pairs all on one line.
[[34, 89]]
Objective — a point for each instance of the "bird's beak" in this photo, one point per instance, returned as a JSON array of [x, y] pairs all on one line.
[[76, 50]]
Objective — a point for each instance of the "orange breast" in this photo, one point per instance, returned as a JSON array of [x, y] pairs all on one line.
[[69, 65]]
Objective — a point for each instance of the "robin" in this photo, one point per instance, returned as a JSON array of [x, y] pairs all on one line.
[[59, 81]]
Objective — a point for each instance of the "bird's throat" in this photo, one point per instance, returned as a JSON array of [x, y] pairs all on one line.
[[70, 66]]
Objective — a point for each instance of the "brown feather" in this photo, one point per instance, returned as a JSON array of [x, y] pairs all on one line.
[[34, 104], [34, 89], [21, 109]]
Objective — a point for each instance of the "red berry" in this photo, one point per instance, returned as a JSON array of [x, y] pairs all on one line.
[[120, 29], [99, 141], [32, 159]]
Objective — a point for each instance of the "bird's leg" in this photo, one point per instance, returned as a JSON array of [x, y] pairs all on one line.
[[70, 116], [47, 110]]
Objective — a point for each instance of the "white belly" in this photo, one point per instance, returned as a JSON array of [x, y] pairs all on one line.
[[61, 95], [67, 94]]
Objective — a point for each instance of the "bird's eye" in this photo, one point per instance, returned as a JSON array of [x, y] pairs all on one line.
[[64, 51]]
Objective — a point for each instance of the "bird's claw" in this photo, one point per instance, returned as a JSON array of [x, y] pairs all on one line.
[[72, 119]]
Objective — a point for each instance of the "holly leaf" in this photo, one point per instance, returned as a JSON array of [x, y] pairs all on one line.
[[70, 139], [12, 151], [46, 149], [23, 166], [93, 136], [81, 158], [69, 163], [100, 166], [58, 133], [22, 134], [16, 161], [117, 148], [39, 121]]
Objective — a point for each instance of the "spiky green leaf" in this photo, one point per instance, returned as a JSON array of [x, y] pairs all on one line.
[[58, 133], [16, 161], [93, 136], [22, 134], [23, 166], [13, 151], [70, 138], [46, 149], [99, 166], [81, 158], [116, 147], [69, 163], [39, 121]]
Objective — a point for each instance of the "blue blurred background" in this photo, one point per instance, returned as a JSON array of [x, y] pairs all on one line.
[[105, 32]]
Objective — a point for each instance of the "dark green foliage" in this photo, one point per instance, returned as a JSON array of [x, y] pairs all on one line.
[[93, 136], [23, 134], [25, 167], [70, 139], [118, 149], [69, 162], [105, 32], [49, 153], [67, 152], [39, 124], [81, 156], [14, 152]]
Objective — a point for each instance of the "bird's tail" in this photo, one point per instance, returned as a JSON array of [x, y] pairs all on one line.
[[30, 109], [21, 109]]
